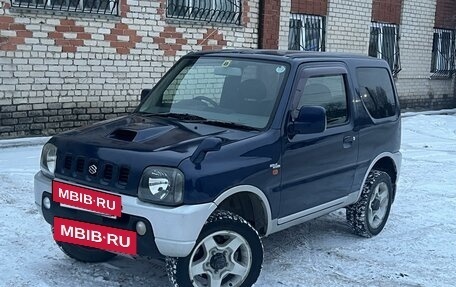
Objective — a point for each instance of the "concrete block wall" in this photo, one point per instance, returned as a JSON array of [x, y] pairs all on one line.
[[58, 72], [426, 94], [348, 26], [415, 86]]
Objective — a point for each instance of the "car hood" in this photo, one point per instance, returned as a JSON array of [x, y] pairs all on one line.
[[123, 147]]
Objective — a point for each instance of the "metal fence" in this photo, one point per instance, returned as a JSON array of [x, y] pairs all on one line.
[[307, 33], [222, 11], [443, 53], [384, 44], [107, 7]]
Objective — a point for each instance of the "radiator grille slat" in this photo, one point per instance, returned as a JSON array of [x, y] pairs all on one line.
[[123, 175], [79, 167], [108, 172]]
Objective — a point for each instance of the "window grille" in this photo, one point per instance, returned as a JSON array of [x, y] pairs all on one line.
[[384, 44], [107, 7], [307, 33], [222, 11], [443, 52]]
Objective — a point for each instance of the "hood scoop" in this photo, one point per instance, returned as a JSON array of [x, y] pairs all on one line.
[[123, 135], [138, 134]]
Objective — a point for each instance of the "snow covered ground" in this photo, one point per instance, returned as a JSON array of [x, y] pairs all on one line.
[[417, 247]]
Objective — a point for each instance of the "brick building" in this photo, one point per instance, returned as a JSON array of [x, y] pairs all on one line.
[[65, 63], [416, 37]]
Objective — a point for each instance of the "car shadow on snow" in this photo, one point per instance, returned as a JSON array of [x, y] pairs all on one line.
[[320, 234], [120, 271], [317, 235]]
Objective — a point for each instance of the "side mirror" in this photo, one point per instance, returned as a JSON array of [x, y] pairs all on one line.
[[144, 94], [310, 120]]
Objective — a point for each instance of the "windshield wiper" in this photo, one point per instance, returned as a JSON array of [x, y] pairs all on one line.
[[202, 120], [229, 125], [184, 117]]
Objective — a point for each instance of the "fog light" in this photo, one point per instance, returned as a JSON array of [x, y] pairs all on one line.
[[141, 228], [46, 202]]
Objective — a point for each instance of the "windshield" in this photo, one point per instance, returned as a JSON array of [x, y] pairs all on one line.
[[219, 90]]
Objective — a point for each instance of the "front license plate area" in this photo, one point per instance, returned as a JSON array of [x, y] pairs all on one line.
[[96, 236], [84, 198]]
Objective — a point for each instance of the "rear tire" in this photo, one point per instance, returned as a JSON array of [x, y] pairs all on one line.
[[228, 253], [369, 214], [85, 254]]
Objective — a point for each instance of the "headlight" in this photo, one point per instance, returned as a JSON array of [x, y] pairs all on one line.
[[162, 185], [48, 159]]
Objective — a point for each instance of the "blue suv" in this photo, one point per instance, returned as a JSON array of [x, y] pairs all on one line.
[[228, 147]]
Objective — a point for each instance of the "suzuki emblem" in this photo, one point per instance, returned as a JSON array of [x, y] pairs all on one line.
[[93, 169]]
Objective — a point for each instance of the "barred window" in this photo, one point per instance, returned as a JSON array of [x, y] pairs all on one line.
[[107, 7], [384, 44], [307, 33], [222, 11], [443, 53]]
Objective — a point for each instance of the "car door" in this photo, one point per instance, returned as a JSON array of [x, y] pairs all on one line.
[[318, 169]]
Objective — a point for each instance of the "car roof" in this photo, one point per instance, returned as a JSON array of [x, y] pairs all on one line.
[[285, 55], [282, 53]]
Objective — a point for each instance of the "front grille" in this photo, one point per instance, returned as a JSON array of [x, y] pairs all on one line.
[[123, 174], [95, 170], [108, 171], [68, 162], [80, 165]]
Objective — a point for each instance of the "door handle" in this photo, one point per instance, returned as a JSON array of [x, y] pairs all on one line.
[[348, 141]]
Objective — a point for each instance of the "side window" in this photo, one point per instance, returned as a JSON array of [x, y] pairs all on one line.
[[328, 92], [377, 92]]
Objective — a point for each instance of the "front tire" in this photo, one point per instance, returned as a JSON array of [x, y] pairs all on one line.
[[228, 253], [369, 214], [85, 254]]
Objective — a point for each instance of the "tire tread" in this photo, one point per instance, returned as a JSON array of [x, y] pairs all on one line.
[[356, 213]]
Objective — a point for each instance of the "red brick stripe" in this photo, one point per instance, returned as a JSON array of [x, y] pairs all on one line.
[[10, 43], [69, 26], [387, 11], [123, 47], [312, 7], [445, 14]]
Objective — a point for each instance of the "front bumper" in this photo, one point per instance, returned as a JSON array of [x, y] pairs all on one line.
[[173, 230]]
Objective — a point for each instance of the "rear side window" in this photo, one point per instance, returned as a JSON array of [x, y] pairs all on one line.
[[377, 92]]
